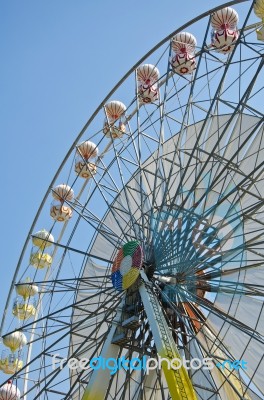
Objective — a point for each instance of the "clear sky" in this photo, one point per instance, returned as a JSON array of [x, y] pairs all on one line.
[[59, 58]]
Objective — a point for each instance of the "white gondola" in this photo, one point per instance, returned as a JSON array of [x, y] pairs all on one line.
[[41, 250], [40, 259], [62, 192], [26, 289], [15, 340], [60, 213], [9, 391], [114, 125], [10, 363], [42, 239], [59, 210], [24, 310], [83, 166], [183, 45], [225, 33], [147, 86]]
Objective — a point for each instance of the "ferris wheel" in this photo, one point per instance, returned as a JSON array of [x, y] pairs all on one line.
[[142, 274]]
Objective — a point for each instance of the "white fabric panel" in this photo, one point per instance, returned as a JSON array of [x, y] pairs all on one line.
[[220, 376], [241, 346], [216, 127], [243, 126], [245, 309], [201, 377], [92, 303]]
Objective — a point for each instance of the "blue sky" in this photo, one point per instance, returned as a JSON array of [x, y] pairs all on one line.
[[59, 58]]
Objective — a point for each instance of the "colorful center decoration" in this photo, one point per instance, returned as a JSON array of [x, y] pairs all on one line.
[[127, 264]]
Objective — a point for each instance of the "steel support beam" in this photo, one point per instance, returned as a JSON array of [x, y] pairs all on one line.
[[99, 382], [179, 383]]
